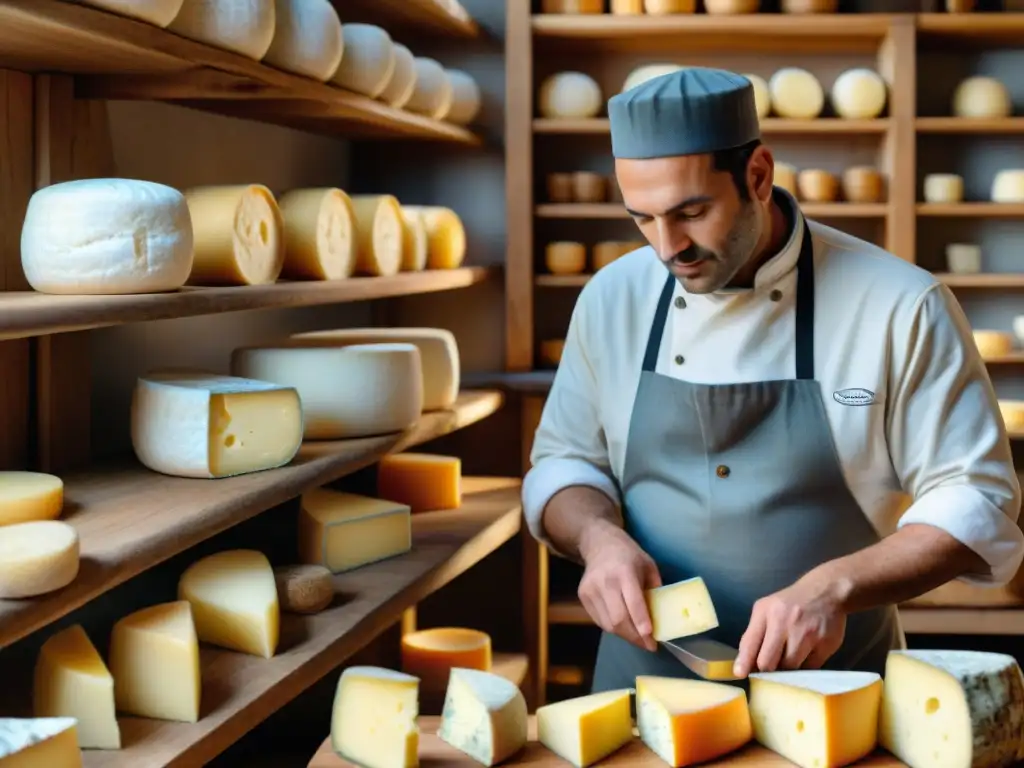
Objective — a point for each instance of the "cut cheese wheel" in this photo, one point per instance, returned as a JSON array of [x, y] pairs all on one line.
[[40, 743], [1012, 412], [303, 588], [320, 240], [943, 188], [346, 392], [344, 531], [373, 720], [685, 722], [859, 93], [37, 558], [154, 658], [785, 177], [26, 497], [431, 654], [403, 79], [204, 425], [106, 236], [71, 680], [159, 13], [796, 93], [816, 718], [963, 258], [242, 26], [993, 343], [422, 481], [570, 95], [379, 233], [1008, 186], [588, 728], [465, 98], [433, 94], [484, 716], [415, 241], [368, 62], [307, 39], [982, 97], [817, 186], [565, 258], [446, 236], [951, 708], [762, 96], [647, 72], [681, 609], [239, 235]]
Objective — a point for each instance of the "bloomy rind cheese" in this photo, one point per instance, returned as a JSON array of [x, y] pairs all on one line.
[[569, 96], [1008, 186], [445, 234], [796, 93], [484, 716], [415, 241], [320, 236], [982, 97], [681, 609], [943, 188], [403, 79], [466, 103], [307, 39], [432, 654], [159, 13], [242, 26], [433, 93], [859, 93], [373, 721], [27, 497], [50, 742], [586, 729], [368, 62], [37, 558], [379, 233]]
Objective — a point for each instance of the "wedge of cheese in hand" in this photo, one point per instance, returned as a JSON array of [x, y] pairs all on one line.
[[952, 708], [243, 26], [307, 39], [49, 742], [681, 609], [446, 237], [319, 234], [816, 718], [484, 716], [26, 497], [37, 558], [588, 728], [373, 722]]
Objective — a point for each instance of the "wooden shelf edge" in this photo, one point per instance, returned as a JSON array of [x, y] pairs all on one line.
[[118, 542], [971, 209], [567, 612], [968, 125]]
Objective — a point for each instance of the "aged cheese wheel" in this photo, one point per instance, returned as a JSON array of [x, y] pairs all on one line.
[[859, 94], [943, 188], [565, 258], [559, 186], [242, 26], [159, 13], [796, 93], [415, 242], [862, 184], [963, 258], [319, 234], [307, 39], [402, 83], [570, 95], [572, 6], [465, 104], [762, 96], [993, 343], [607, 251], [26, 497], [725, 7], [817, 186], [433, 94], [588, 187], [627, 7], [648, 72], [368, 62], [379, 233], [446, 237], [1008, 186], [660, 7], [1013, 415], [303, 588], [981, 97], [37, 558], [551, 351], [785, 177]]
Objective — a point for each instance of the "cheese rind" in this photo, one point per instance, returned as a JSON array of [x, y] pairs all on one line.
[[373, 721], [27, 497], [415, 241], [446, 236], [344, 531], [588, 728], [466, 103], [432, 654], [307, 39], [303, 588], [159, 13], [403, 79], [796, 93], [368, 62], [859, 93], [569, 95], [379, 233], [423, 481], [37, 558], [39, 743], [681, 609], [242, 26], [433, 93], [320, 241], [484, 716]]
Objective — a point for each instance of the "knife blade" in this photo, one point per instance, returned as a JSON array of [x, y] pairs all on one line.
[[705, 657]]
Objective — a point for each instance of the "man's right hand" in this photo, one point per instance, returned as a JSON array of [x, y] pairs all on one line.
[[617, 571]]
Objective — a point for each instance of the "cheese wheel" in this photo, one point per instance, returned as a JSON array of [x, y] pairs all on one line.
[[319, 234], [762, 96], [1008, 186], [943, 188], [26, 497], [859, 94], [570, 95], [588, 187], [430, 654], [106, 236], [862, 184], [465, 98], [647, 72], [785, 178], [307, 39], [796, 93], [565, 258], [993, 343], [37, 558], [727, 7], [608, 251], [446, 236], [368, 62], [379, 234], [627, 7], [817, 186], [559, 186], [551, 351], [660, 7], [1012, 412], [963, 258], [434, 92], [238, 233], [981, 97], [415, 241], [303, 588], [403, 79], [242, 26], [159, 13]]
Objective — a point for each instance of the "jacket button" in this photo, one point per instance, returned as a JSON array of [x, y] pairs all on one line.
[[722, 471], [775, 295], [679, 359], [680, 302]]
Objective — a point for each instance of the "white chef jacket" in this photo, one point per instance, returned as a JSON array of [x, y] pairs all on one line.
[[912, 411]]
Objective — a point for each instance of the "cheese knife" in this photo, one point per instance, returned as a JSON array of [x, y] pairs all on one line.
[[704, 657]]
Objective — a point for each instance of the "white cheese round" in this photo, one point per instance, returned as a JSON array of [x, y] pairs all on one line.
[[762, 96], [796, 93], [570, 95], [648, 72], [159, 13], [465, 98], [963, 258], [106, 236], [981, 97], [859, 94], [307, 39], [242, 26], [433, 93], [368, 61], [37, 558], [403, 80], [1008, 186], [943, 188]]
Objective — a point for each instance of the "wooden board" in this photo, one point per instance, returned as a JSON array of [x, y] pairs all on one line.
[[434, 753]]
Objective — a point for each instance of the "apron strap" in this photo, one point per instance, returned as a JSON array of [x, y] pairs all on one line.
[[658, 326]]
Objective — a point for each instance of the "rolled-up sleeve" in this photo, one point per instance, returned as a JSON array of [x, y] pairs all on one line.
[[947, 440]]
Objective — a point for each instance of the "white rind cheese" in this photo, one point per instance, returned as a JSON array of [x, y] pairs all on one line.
[[762, 95], [242, 26], [796, 94], [307, 39], [982, 97], [465, 98], [943, 188], [484, 716], [368, 62], [570, 96], [49, 742], [1008, 186], [106, 236], [37, 558], [159, 13], [432, 96], [859, 94], [403, 79], [320, 240]]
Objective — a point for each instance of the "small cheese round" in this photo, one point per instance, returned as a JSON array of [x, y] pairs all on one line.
[[859, 94], [1018, 328], [1008, 186], [465, 98], [943, 188], [403, 79], [993, 343], [379, 233], [796, 93], [588, 187], [368, 62], [551, 351], [430, 654], [559, 186], [565, 258], [762, 96], [862, 184], [785, 177], [627, 7], [607, 251], [570, 95], [446, 236], [159, 13], [319, 234], [434, 92], [1012, 412], [303, 588], [26, 497], [106, 236], [648, 72], [307, 39], [817, 186], [963, 258], [981, 97], [242, 26], [415, 241], [37, 558]]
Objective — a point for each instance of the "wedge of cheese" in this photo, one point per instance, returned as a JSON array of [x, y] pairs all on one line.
[[484, 716], [681, 609], [26, 497], [368, 61], [44, 743], [37, 558], [588, 728], [431, 654], [243, 26], [373, 722], [415, 241], [445, 234], [320, 241], [343, 531], [307, 39], [423, 481], [380, 234]]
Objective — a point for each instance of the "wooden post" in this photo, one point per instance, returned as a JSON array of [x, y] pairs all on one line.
[[897, 64]]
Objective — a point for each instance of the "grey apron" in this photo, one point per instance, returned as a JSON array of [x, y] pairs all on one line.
[[740, 484]]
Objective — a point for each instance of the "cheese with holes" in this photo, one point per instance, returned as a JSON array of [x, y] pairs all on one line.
[[681, 609], [570, 96], [431, 654], [194, 424], [982, 97], [952, 708], [343, 531], [320, 241], [446, 237], [433, 93], [415, 241], [762, 96], [71, 680], [403, 79], [993, 343], [307, 39], [565, 257], [233, 596], [373, 721], [368, 61], [106, 236], [239, 235], [859, 94], [816, 718], [380, 235], [37, 558], [421, 480], [154, 657], [465, 98], [1008, 186], [159, 13], [796, 93], [685, 722], [943, 188], [39, 743], [1012, 412], [588, 728], [26, 497], [646, 72], [484, 716], [242, 26], [346, 392]]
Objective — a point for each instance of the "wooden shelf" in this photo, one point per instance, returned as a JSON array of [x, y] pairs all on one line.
[[771, 126], [32, 314], [1014, 358], [562, 281], [567, 612], [968, 125], [121, 58], [240, 691], [1007, 280], [977, 30], [972, 210], [524, 382], [617, 211], [445, 17], [129, 519]]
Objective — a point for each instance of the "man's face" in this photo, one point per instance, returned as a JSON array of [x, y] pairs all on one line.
[[693, 216]]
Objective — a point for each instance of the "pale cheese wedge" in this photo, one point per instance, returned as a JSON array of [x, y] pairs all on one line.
[[343, 531], [368, 61], [484, 716]]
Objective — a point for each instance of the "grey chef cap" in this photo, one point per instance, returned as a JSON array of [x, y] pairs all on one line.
[[692, 111]]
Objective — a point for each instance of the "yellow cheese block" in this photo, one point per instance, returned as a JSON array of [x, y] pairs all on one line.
[[238, 234], [415, 241], [1012, 412], [71, 680], [342, 531], [686, 722], [681, 609], [422, 481], [42, 743], [565, 258], [154, 657], [26, 497], [993, 344], [233, 595], [373, 722], [588, 728], [319, 234], [816, 718], [380, 233], [446, 236], [431, 654], [37, 558]]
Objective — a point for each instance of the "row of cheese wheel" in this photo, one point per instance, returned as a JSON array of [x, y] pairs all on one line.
[[857, 184], [667, 7], [306, 37], [945, 188], [566, 257], [122, 236]]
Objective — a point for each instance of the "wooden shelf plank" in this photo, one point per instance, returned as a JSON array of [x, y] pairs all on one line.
[[567, 612], [617, 211], [562, 281], [972, 209], [1013, 358], [1010, 280], [981, 30], [771, 126], [446, 17], [967, 125], [241, 691], [28, 313], [129, 519]]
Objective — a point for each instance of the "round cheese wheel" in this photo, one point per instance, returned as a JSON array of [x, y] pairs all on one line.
[[307, 39], [403, 79], [1012, 412], [565, 258], [608, 251], [588, 187], [943, 188], [37, 558], [26, 497], [859, 94], [434, 92], [107, 236], [627, 7], [762, 96], [648, 72], [242, 26], [796, 93], [862, 184], [785, 177], [817, 186], [368, 62], [963, 258], [159, 13], [559, 186], [551, 351], [446, 236], [319, 234], [415, 242], [981, 97], [1008, 186], [380, 234], [993, 343], [430, 654], [570, 95], [465, 98]]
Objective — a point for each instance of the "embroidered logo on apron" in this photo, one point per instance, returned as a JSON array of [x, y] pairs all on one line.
[[854, 396]]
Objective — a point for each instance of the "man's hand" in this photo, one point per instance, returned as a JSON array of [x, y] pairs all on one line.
[[612, 589]]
